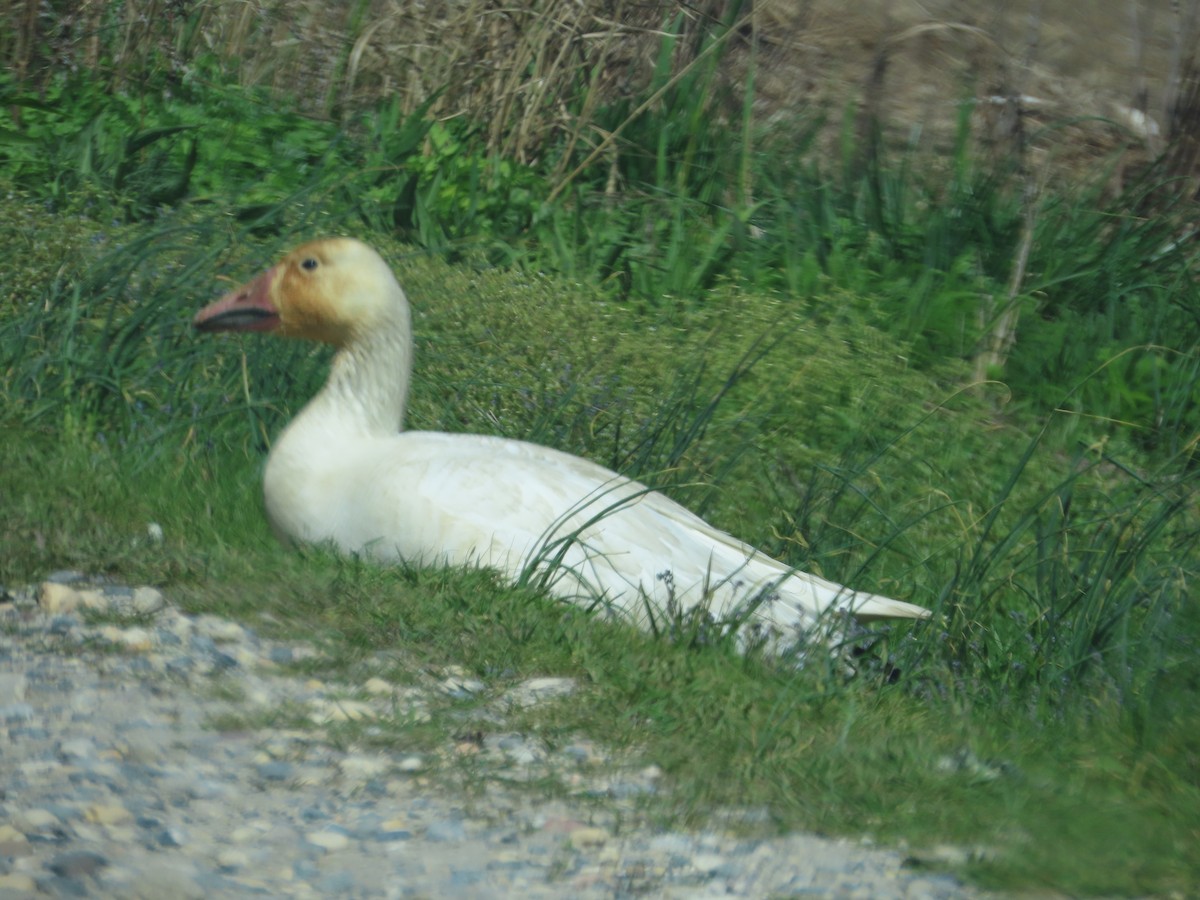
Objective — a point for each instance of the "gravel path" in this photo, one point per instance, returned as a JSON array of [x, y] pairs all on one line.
[[124, 773]]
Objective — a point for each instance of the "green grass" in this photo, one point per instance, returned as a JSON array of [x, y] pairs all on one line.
[[1070, 794], [1063, 659], [666, 210]]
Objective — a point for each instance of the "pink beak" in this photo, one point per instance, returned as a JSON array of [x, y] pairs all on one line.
[[249, 308]]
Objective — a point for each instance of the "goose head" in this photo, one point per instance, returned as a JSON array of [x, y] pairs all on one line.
[[333, 290]]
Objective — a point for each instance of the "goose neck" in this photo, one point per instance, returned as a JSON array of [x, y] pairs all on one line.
[[369, 378]]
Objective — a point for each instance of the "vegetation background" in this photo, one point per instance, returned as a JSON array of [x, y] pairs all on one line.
[[902, 293]]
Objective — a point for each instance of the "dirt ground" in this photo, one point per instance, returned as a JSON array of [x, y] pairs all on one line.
[[1113, 59]]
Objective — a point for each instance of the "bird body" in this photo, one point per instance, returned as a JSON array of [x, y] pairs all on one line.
[[344, 471]]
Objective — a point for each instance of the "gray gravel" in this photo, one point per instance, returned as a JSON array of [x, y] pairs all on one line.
[[124, 772]]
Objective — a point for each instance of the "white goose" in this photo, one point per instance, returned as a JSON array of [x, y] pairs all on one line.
[[345, 471]]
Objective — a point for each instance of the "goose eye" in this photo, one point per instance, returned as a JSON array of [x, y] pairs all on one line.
[[309, 264]]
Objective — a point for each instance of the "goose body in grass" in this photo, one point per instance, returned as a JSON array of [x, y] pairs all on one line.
[[344, 471]]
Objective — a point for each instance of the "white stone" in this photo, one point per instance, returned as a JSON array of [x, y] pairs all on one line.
[[35, 820], [161, 878], [539, 690], [378, 686], [330, 841], [147, 600], [135, 640], [707, 862], [220, 631], [362, 768], [38, 769], [18, 883], [57, 599], [258, 695], [77, 748], [411, 764], [107, 814], [87, 833], [13, 686], [232, 860], [460, 684], [589, 837], [175, 622], [326, 711]]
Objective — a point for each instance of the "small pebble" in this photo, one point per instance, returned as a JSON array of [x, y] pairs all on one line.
[[276, 770], [331, 841], [12, 687], [231, 860], [56, 598], [378, 686], [34, 820], [77, 863], [589, 837], [17, 883], [449, 830], [16, 712], [363, 768], [326, 711], [539, 690], [220, 631], [411, 764], [107, 814]]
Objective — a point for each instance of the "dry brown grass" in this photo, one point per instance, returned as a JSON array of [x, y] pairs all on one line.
[[514, 67], [531, 72]]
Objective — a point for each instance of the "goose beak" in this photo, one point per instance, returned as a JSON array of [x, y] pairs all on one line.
[[249, 308]]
